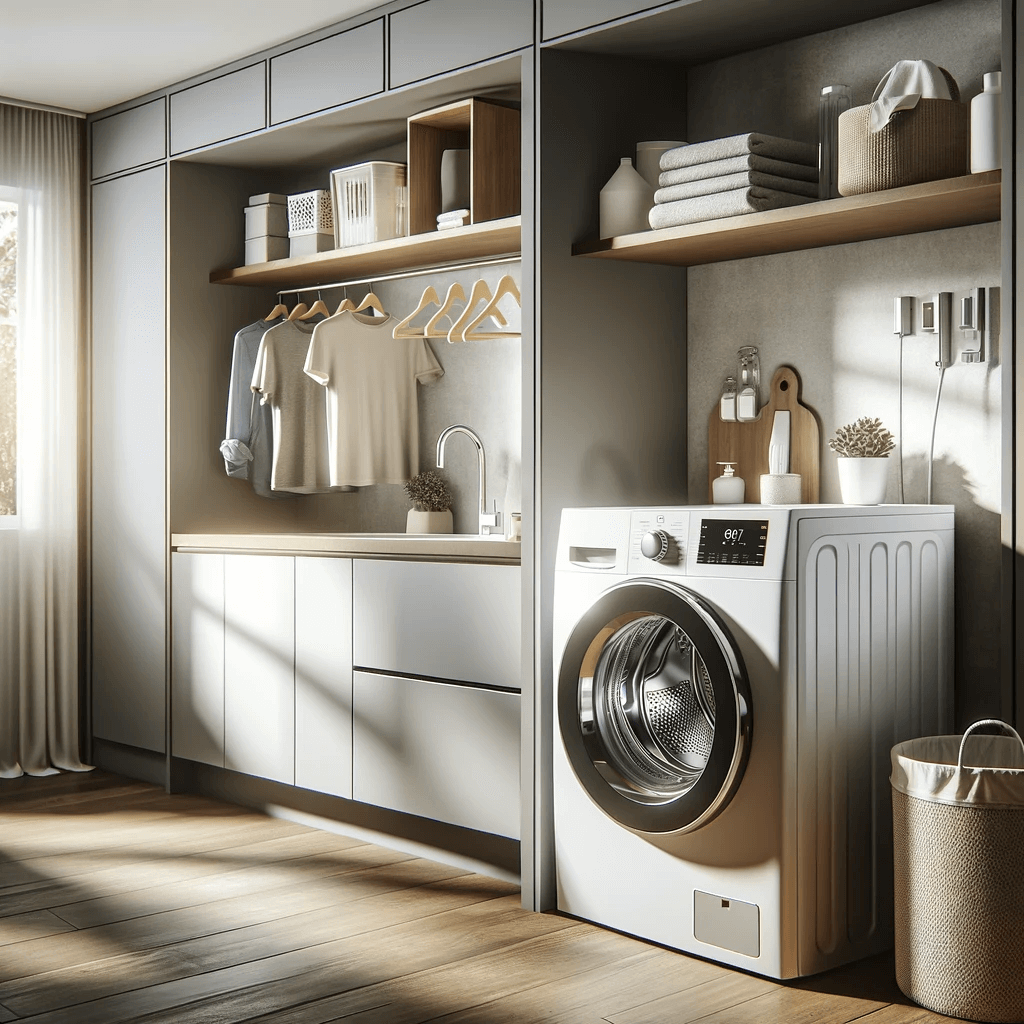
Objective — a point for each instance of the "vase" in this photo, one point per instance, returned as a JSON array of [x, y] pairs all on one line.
[[428, 522], [863, 481], [625, 202]]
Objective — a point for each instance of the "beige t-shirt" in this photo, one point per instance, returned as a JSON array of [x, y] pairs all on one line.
[[298, 408], [372, 412]]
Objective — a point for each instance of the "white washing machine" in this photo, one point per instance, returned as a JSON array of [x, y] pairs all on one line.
[[729, 681]]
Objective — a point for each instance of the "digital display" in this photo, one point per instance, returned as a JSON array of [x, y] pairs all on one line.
[[732, 541]]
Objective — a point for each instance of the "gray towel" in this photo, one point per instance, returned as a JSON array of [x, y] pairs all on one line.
[[736, 164], [723, 204], [729, 182], [740, 145]]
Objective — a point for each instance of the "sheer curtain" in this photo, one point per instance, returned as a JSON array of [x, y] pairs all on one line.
[[42, 170]]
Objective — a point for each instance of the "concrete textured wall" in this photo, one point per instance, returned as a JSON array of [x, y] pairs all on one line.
[[828, 312]]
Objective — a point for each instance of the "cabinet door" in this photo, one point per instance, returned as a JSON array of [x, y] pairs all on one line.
[[561, 17], [197, 657], [439, 619], [220, 109], [129, 139], [323, 675], [441, 35], [335, 70], [259, 665], [438, 750], [128, 460]]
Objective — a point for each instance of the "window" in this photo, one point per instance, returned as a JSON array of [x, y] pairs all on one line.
[[8, 359]]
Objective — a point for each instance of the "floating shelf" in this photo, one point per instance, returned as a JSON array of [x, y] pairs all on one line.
[[412, 252], [950, 203]]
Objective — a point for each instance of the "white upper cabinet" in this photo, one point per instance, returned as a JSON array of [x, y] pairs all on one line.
[[129, 139], [223, 108], [560, 17]]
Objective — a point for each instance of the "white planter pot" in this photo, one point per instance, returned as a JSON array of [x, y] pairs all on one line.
[[863, 481], [429, 522]]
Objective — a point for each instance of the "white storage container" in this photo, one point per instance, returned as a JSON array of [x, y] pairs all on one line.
[[268, 219], [310, 222], [265, 248], [369, 202]]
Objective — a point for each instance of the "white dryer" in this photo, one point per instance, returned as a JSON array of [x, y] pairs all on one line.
[[729, 681]]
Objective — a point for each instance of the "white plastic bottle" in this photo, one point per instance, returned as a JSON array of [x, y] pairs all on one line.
[[727, 489], [986, 133], [625, 202]]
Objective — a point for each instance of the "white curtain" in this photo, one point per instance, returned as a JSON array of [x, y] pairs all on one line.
[[42, 168]]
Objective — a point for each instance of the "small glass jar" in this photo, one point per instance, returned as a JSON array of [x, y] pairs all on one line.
[[834, 100]]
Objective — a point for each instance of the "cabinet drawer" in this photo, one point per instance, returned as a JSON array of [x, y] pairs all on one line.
[[129, 139], [560, 17], [336, 70], [439, 750], [438, 619], [220, 109], [441, 35]]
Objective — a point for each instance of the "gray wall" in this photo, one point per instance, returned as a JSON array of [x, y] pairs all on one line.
[[828, 312]]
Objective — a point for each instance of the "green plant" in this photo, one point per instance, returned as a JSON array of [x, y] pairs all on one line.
[[865, 439], [428, 492]]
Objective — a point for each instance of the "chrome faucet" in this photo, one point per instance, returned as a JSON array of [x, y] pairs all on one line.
[[488, 520]]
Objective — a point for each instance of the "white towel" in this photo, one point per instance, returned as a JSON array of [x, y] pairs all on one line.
[[736, 164], [906, 82], [740, 145], [729, 182], [723, 204]]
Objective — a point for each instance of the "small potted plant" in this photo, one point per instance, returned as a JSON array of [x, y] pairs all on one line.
[[433, 501], [863, 449]]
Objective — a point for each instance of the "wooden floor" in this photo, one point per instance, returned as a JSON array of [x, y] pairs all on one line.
[[119, 903]]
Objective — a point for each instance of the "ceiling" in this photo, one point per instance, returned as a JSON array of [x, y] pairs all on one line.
[[89, 55]]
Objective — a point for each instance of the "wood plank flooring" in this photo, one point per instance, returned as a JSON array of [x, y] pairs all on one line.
[[120, 903]]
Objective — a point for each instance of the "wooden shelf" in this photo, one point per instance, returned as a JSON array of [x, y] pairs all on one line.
[[412, 252], [952, 202]]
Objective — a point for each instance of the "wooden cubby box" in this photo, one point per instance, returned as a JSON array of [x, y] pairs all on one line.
[[491, 133]]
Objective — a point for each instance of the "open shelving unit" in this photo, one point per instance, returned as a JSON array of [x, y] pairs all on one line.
[[949, 203], [432, 249]]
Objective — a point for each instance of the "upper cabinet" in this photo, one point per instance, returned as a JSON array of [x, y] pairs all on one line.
[[442, 35], [561, 17], [129, 139], [222, 108], [336, 70]]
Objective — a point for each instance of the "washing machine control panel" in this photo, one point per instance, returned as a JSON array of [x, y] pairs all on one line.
[[732, 541], [658, 541]]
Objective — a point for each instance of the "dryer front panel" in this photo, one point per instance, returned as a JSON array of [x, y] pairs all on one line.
[[654, 707]]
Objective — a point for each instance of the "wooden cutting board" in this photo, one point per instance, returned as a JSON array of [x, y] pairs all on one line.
[[746, 444]]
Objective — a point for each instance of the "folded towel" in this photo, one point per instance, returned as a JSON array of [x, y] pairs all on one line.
[[735, 164], [456, 215], [740, 145], [902, 86], [729, 182], [723, 204]]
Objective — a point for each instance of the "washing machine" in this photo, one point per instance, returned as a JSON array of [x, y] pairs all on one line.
[[728, 683]]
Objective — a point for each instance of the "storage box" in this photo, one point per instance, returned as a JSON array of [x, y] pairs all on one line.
[[265, 248], [307, 243], [369, 202], [266, 219], [310, 212]]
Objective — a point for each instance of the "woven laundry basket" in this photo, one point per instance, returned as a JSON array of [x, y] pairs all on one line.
[[958, 848], [928, 142]]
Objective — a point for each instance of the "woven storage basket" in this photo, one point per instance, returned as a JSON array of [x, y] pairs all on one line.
[[958, 846], [928, 142]]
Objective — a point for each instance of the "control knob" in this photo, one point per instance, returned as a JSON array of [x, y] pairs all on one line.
[[658, 546]]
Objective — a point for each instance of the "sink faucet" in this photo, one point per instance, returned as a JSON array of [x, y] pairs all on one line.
[[488, 520]]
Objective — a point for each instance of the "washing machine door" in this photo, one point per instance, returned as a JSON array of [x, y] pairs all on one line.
[[654, 707]]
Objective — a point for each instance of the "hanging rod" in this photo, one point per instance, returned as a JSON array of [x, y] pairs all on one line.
[[400, 275]]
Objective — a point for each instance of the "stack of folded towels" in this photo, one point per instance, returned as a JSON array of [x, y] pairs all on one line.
[[452, 219], [732, 176]]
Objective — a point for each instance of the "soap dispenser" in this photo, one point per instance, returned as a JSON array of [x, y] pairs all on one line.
[[727, 489], [748, 399], [727, 403]]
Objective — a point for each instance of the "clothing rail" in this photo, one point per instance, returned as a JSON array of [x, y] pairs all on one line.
[[402, 274]]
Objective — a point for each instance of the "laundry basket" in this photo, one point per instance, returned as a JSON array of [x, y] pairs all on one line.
[[958, 846]]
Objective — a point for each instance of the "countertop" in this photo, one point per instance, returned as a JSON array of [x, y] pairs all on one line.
[[439, 547]]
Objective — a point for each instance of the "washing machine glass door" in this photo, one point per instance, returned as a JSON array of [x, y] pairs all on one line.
[[654, 707]]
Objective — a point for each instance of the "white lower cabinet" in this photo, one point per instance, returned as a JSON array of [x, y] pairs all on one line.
[[440, 750], [259, 666]]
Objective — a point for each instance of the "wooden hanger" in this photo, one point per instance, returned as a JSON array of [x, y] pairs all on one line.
[[297, 312], [370, 301], [455, 294], [403, 330], [345, 306], [479, 292], [317, 307], [279, 310], [506, 286]]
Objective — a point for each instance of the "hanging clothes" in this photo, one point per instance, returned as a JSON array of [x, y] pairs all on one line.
[[370, 379], [298, 409]]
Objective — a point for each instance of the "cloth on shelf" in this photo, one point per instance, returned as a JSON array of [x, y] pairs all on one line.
[[729, 182], [452, 219], [298, 409], [752, 199], [740, 145], [900, 88], [737, 165], [369, 378]]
